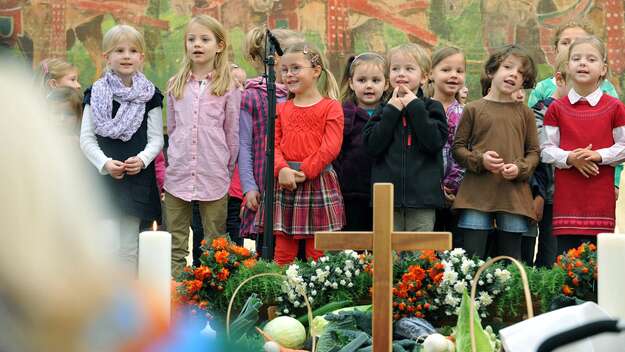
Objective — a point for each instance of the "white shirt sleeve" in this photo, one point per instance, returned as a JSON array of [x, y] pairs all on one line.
[[551, 153], [89, 143], [615, 154], [155, 137]]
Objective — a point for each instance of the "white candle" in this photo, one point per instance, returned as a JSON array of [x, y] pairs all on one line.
[[611, 275], [155, 266]]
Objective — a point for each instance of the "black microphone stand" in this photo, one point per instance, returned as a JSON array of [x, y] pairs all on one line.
[[268, 199]]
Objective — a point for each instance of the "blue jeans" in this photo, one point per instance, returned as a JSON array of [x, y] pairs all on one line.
[[479, 220]]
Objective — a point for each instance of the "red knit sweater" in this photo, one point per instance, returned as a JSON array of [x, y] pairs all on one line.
[[585, 206], [311, 135]]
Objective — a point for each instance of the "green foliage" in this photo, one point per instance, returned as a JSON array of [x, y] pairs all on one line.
[[393, 36], [268, 288]]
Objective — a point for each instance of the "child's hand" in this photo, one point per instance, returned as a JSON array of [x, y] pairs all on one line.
[[492, 162], [300, 176], [588, 154], [406, 95], [395, 101], [115, 168], [133, 165], [449, 194], [252, 200], [286, 179], [585, 167], [539, 206], [510, 171]]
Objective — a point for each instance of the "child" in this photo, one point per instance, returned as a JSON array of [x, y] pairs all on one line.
[[463, 95], [542, 180], [122, 132], [585, 130], [56, 73], [565, 35], [497, 143], [67, 105], [519, 96], [448, 73], [309, 132], [406, 137], [203, 126], [362, 89], [252, 130]]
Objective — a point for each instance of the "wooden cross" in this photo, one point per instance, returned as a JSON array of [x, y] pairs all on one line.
[[383, 240]]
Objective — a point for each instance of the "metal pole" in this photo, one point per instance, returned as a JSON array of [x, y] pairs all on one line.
[[268, 239]]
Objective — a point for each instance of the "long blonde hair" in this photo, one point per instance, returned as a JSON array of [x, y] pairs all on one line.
[[328, 86], [222, 80]]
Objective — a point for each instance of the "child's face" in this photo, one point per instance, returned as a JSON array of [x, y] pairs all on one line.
[[519, 96], [406, 71], [568, 36], [448, 75], [239, 76], [368, 83], [69, 80], [202, 45], [586, 65], [298, 73], [125, 59], [509, 76]]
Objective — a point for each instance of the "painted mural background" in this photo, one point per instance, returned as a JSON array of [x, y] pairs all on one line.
[[73, 28]]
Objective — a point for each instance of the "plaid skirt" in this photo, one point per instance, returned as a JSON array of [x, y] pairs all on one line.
[[315, 205]]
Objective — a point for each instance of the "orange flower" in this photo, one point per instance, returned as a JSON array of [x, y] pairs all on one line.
[[579, 263], [223, 274], [193, 286], [576, 281], [220, 243], [221, 257], [585, 270], [592, 247], [202, 273], [567, 290], [429, 255], [242, 251], [203, 243], [248, 263]]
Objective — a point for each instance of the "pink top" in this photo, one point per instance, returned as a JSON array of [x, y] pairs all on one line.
[[159, 165], [235, 190], [203, 141]]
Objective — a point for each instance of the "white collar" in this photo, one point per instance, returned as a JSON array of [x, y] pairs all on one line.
[[592, 98]]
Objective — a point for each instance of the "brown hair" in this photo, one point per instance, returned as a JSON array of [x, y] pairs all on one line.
[[68, 96], [254, 47], [494, 62], [597, 44], [370, 58], [222, 80], [562, 60], [437, 57], [571, 24], [329, 88], [52, 69]]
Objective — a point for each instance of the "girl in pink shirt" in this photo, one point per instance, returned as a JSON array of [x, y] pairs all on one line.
[[203, 125]]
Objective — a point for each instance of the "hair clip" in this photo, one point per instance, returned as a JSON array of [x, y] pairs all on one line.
[[305, 50]]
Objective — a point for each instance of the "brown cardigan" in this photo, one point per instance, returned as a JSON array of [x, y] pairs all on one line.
[[508, 129]]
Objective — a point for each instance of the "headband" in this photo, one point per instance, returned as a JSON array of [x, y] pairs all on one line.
[[362, 55]]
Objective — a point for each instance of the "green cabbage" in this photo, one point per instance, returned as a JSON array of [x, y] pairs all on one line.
[[286, 331]]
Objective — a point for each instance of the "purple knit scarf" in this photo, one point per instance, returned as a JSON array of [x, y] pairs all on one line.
[[132, 101]]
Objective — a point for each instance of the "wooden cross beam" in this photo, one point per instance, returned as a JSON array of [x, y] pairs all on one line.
[[383, 240]]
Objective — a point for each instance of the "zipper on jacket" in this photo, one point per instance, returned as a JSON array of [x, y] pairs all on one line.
[[404, 150]]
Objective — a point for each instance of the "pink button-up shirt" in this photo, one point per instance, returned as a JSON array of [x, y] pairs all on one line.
[[203, 141]]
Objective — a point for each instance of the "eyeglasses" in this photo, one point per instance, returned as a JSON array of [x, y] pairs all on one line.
[[293, 69]]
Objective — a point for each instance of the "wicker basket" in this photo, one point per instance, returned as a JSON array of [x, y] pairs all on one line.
[[234, 295], [526, 289]]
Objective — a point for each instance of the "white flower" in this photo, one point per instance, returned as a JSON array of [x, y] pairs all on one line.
[[495, 292], [450, 276], [357, 271], [323, 259], [489, 276], [485, 299], [313, 292], [349, 264], [327, 283], [313, 263], [466, 265], [327, 268], [343, 282], [350, 285], [296, 304], [502, 275], [338, 271], [285, 311], [451, 300], [460, 286], [310, 300], [279, 299], [469, 277], [457, 252], [348, 274], [483, 315], [311, 284], [335, 285], [481, 283]]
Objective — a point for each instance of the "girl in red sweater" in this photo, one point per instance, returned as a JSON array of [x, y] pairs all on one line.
[[309, 133], [585, 133]]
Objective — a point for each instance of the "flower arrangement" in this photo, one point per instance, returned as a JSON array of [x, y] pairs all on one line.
[[203, 285], [414, 293], [458, 275], [580, 265], [334, 277]]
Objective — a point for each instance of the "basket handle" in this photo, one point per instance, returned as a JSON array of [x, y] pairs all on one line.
[[526, 290], [310, 315]]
